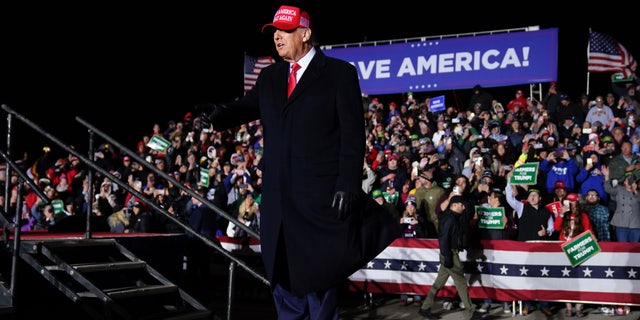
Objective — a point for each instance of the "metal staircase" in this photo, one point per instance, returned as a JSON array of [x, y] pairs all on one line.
[[108, 281]]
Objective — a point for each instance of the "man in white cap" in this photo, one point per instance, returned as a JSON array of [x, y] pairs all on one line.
[[314, 229]]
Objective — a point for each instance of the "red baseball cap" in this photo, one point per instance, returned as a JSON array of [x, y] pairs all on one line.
[[573, 197], [289, 18]]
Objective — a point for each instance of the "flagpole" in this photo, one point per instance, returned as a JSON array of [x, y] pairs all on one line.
[[244, 61], [588, 46]]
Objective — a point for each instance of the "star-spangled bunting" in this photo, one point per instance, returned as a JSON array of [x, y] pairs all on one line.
[[509, 270], [252, 68], [514, 270], [608, 55]]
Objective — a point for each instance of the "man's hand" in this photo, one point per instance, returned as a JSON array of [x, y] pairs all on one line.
[[343, 201], [207, 112], [448, 261]]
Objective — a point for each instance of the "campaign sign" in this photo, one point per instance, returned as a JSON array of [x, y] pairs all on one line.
[[204, 177], [58, 206], [555, 208], [581, 248], [436, 104], [490, 218], [525, 174]]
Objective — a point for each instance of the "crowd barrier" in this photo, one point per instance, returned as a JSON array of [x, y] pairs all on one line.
[[509, 271], [233, 244]]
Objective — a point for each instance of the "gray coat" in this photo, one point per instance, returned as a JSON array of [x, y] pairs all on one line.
[[627, 213]]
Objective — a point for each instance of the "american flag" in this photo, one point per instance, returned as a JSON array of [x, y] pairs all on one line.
[[608, 55], [252, 68], [509, 270]]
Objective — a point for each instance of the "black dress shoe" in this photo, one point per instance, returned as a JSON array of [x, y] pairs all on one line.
[[426, 313]]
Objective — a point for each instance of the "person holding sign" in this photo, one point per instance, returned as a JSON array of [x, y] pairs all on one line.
[[570, 224], [535, 222], [495, 222]]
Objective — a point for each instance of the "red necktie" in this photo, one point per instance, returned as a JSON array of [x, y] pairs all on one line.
[[292, 78]]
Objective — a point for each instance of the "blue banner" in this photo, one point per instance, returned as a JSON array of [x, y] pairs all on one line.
[[503, 59]]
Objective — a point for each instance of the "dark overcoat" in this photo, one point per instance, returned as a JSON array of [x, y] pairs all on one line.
[[313, 146]]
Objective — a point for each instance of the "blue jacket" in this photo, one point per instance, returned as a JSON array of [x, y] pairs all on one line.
[[565, 170]]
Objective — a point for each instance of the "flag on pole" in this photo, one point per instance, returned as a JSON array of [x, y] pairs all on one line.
[[252, 68], [608, 55]]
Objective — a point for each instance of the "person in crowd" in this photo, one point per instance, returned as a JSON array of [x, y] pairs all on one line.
[[519, 101], [559, 165], [624, 162], [591, 177], [140, 219], [394, 173], [391, 209], [599, 215], [600, 112], [248, 214], [570, 224], [480, 100], [551, 100], [451, 240], [496, 199], [626, 219], [427, 194], [410, 224], [571, 109], [535, 222], [320, 214]]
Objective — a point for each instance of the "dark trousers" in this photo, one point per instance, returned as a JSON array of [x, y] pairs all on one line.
[[312, 306]]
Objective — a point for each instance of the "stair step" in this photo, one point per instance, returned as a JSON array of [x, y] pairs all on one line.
[[70, 244], [119, 293], [120, 265], [200, 314], [96, 267]]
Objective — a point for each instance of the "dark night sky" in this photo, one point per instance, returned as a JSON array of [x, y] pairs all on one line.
[[124, 67]]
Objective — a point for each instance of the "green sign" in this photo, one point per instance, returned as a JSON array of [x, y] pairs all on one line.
[[58, 206], [618, 77], [581, 248], [490, 218], [204, 177], [158, 143], [525, 174]]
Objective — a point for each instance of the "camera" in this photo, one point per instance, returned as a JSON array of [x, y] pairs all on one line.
[[456, 190], [408, 220]]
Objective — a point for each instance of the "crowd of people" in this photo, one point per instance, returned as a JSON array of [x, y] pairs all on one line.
[[417, 161]]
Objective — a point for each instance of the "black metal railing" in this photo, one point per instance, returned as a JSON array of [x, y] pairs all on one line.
[[92, 130]]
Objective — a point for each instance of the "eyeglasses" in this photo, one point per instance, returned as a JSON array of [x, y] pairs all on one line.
[[593, 195]]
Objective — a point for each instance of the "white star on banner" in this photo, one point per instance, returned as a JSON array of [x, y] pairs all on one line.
[[609, 273], [632, 273], [587, 272], [504, 270], [403, 266], [480, 267], [370, 265], [387, 265], [566, 272], [523, 271], [421, 266], [544, 272]]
